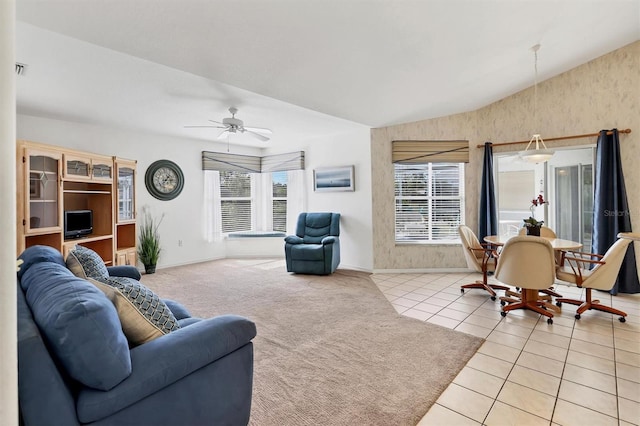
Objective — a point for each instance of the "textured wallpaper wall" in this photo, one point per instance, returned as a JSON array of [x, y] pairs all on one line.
[[601, 94]]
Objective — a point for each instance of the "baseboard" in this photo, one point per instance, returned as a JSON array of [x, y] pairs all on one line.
[[423, 271]]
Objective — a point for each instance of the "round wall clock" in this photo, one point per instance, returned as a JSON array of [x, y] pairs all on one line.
[[164, 180]]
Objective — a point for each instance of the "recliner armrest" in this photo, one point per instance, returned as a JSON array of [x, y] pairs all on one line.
[[165, 360], [293, 239], [329, 240], [128, 271], [177, 309]]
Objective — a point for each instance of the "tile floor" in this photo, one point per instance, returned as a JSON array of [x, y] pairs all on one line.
[[572, 372]]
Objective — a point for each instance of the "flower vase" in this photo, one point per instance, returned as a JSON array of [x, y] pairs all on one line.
[[533, 230]]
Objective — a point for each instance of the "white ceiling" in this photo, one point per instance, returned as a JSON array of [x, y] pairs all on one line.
[[304, 68]]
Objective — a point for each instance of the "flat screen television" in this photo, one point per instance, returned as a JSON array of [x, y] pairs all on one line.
[[78, 223]]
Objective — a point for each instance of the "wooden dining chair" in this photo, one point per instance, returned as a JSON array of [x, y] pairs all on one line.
[[481, 258], [602, 275], [528, 263]]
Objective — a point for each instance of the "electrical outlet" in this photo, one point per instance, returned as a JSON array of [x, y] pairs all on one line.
[[179, 243]]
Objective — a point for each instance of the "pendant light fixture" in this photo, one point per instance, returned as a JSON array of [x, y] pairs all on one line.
[[536, 155]]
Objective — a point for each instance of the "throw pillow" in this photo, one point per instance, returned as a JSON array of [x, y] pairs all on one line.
[[143, 315], [86, 263], [79, 323]]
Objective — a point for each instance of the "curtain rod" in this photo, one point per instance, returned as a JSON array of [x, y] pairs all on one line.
[[589, 135]]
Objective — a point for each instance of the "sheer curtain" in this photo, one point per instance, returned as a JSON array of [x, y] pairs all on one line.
[[212, 209], [262, 182], [296, 200]]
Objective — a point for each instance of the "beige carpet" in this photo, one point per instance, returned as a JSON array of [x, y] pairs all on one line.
[[330, 350]]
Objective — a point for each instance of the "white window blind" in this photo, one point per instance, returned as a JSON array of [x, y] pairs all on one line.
[[429, 201], [235, 201], [279, 201]]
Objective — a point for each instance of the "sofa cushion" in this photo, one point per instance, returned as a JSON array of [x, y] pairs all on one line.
[[144, 316], [79, 323], [86, 263], [37, 254]]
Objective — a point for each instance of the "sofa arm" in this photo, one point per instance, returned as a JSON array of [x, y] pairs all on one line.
[[127, 271], [177, 309], [165, 360], [293, 239], [329, 240]]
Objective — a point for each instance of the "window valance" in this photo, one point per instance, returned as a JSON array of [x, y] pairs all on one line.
[[420, 152], [253, 164]]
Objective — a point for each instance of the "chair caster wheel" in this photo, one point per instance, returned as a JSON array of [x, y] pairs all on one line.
[[549, 321], [502, 302], [503, 313], [577, 316], [493, 298], [558, 304], [462, 290], [622, 319]]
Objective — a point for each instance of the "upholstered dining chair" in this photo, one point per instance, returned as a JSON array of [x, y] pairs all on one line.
[[481, 258], [602, 275], [545, 231], [529, 263]]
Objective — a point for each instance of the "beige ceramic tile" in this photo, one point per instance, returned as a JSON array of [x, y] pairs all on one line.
[[627, 345], [427, 307], [443, 321], [628, 372], [483, 321], [549, 351], [537, 380], [596, 338], [474, 330], [506, 415], [399, 309], [590, 398], [591, 349], [407, 303], [511, 328], [625, 357], [540, 363], [507, 339], [439, 415], [415, 297], [629, 411], [527, 399], [550, 338], [466, 402], [453, 314], [419, 315], [490, 365], [555, 329], [628, 389], [567, 413], [433, 300], [481, 382], [497, 350], [462, 307], [592, 362], [590, 378]]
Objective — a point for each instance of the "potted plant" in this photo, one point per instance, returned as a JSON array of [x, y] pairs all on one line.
[[532, 224], [149, 241]]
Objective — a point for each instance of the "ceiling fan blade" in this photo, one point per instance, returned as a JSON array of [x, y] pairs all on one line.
[[217, 122], [223, 136], [258, 130], [256, 135], [214, 127]]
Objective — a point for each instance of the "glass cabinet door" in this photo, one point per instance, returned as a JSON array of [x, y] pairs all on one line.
[[77, 167], [44, 184], [126, 193], [101, 170]]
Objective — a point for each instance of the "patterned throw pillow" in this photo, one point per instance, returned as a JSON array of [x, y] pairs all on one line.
[[86, 263], [143, 315]]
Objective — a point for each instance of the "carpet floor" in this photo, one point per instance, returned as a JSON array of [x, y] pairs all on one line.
[[330, 350]]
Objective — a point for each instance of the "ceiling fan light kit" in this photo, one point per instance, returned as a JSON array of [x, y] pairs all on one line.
[[235, 125]]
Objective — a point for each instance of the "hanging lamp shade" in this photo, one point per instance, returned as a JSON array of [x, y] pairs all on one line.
[[537, 155]]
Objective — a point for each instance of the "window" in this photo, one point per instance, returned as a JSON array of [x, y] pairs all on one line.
[[279, 201], [429, 202], [235, 201]]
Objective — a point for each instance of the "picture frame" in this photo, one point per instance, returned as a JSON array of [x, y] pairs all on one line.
[[35, 192], [331, 179]]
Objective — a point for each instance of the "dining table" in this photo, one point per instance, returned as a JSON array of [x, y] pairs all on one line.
[[559, 246]]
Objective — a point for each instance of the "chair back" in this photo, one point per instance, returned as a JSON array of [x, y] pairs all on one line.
[[313, 227], [527, 262], [469, 242], [604, 275], [545, 231]]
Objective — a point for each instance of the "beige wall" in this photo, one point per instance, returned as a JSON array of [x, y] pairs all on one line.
[[601, 94]]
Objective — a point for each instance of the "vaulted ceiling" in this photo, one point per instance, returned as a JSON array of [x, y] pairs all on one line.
[[303, 68]]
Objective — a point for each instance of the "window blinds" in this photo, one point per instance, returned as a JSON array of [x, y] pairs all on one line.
[[252, 164], [421, 152]]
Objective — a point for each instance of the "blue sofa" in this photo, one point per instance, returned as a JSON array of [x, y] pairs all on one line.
[[199, 374], [315, 249]]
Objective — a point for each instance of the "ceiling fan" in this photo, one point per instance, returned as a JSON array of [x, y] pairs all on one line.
[[235, 125]]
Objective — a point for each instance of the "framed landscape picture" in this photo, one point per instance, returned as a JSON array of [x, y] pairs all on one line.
[[328, 179]]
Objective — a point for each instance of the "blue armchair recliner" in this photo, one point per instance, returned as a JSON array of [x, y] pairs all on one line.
[[315, 249], [75, 365]]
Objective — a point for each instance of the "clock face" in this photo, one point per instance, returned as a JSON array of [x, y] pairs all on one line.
[[164, 180]]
